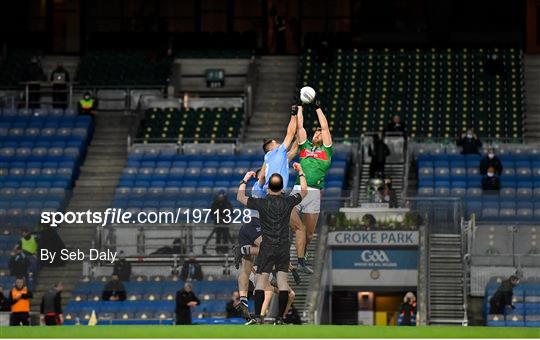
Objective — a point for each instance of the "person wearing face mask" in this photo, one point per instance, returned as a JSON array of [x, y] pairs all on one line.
[[470, 143], [490, 160], [491, 182]]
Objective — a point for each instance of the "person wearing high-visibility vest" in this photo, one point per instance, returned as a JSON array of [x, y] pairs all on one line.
[[28, 242], [87, 105], [20, 297]]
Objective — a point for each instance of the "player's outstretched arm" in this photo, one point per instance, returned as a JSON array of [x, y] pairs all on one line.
[[291, 128], [301, 134], [325, 130], [292, 152], [303, 183], [262, 179], [241, 195]]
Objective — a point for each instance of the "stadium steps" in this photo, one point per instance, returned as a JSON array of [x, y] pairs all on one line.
[[446, 300], [393, 171], [303, 289], [94, 191], [273, 99], [532, 98]]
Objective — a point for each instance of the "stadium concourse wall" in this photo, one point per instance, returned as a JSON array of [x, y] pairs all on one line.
[[373, 261]]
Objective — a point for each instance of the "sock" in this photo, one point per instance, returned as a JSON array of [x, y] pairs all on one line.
[[245, 250], [283, 298], [301, 261], [258, 297], [244, 300]]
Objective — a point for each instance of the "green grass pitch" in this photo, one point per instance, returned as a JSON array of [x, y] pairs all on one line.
[[266, 331]]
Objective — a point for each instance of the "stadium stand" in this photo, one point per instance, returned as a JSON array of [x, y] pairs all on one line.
[[168, 178], [205, 124], [123, 68], [443, 171], [526, 299], [40, 155], [438, 92], [149, 300], [18, 67]]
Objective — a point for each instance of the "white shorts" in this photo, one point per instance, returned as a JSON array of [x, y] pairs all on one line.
[[311, 204]]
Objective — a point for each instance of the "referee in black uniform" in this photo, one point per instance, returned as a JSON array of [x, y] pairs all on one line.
[[274, 253]]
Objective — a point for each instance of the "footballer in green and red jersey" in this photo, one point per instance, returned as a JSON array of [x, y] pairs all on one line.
[[315, 159]]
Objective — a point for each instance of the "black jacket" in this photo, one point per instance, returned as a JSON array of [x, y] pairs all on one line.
[[486, 163], [469, 145], [220, 204], [378, 152], [19, 264], [491, 183], [122, 268], [407, 311], [503, 295], [183, 311], [393, 127], [191, 270], [51, 302], [114, 288], [4, 303], [231, 310]]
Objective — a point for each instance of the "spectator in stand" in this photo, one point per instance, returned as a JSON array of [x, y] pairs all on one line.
[[19, 298], [29, 242], [191, 270], [407, 310], [395, 125], [59, 74], [490, 181], [378, 152], [369, 222], [490, 160], [221, 208], [122, 268], [230, 308], [503, 296], [51, 306], [388, 195], [19, 264], [469, 143], [88, 105], [5, 306], [114, 290], [59, 79], [185, 300]]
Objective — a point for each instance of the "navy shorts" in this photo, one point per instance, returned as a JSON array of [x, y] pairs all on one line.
[[249, 232]]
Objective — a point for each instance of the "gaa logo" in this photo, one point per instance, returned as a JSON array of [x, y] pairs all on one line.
[[374, 256]]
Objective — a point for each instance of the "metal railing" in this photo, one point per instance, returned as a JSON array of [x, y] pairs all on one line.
[[28, 97], [315, 302], [464, 231], [442, 214]]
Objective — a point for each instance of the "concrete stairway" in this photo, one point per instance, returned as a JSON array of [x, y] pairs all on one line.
[[94, 191], [532, 96], [303, 289], [274, 97], [393, 171], [446, 300]]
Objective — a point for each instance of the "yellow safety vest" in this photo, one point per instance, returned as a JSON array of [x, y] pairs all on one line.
[[86, 104], [30, 245]]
